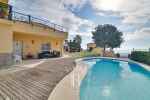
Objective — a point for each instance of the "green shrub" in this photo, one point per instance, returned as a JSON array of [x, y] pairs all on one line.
[[141, 56], [118, 55]]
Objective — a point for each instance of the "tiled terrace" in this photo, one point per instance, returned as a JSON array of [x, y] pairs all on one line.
[[34, 83]]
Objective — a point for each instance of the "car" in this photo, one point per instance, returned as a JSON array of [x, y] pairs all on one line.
[[48, 54]]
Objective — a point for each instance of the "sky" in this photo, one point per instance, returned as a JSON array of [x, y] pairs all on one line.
[[132, 17]]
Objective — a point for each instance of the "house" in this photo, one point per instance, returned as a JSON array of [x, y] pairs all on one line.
[[91, 46], [24, 35]]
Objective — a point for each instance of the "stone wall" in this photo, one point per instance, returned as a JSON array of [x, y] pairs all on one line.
[[6, 59]]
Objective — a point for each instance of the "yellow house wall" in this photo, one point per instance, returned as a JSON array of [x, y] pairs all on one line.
[[37, 30], [7, 28], [4, 1], [6, 37], [10, 31], [35, 48]]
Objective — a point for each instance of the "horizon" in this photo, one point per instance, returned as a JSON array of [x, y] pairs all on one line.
[[82, 16]]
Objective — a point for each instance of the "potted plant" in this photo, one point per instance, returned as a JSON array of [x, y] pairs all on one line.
[[3, 10], [29, 56]]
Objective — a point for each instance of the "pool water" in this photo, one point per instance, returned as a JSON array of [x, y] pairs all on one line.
[[115, 80]]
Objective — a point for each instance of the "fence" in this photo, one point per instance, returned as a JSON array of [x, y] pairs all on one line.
[[7, 12]]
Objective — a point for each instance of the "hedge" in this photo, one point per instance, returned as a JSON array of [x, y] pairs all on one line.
[[141, 56]]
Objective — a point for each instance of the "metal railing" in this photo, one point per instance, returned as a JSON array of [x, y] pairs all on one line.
[[7, 12]]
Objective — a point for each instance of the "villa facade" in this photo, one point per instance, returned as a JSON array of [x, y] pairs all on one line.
[[24, 35]]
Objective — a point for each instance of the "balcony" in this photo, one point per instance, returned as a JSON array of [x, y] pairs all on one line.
[[7, 12]]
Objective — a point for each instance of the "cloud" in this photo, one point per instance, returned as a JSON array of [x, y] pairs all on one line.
[[133, 11], [138, 39], [74, 3], [138, 34], [112, 5]]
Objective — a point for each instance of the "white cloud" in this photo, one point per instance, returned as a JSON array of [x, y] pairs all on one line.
[[133, 11], [113, 5], [138, 34], [74, 3]]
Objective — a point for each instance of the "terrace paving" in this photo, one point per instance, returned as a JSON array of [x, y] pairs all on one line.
[[34, 83]]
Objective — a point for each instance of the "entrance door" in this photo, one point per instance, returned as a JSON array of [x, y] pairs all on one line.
[[17, 48]]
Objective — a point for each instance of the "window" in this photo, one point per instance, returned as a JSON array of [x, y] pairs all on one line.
[[46, 47]]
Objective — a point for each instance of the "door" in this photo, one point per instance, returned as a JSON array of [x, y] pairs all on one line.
[[17, 48]]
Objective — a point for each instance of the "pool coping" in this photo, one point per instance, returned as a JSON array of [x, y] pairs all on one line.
[[146, 67], [71, 83]]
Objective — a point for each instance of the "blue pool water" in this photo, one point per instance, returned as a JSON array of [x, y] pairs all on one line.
[[115, 80]]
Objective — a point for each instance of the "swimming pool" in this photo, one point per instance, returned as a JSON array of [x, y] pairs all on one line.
[[109, 79]]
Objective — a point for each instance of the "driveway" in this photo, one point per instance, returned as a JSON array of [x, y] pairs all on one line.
[[35, 83]]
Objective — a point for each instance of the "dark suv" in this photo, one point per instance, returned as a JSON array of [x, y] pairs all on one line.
[[48, 54]]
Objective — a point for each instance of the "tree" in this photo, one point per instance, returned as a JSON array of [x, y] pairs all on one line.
[[107, 36], [78, 39], [75, 44]]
